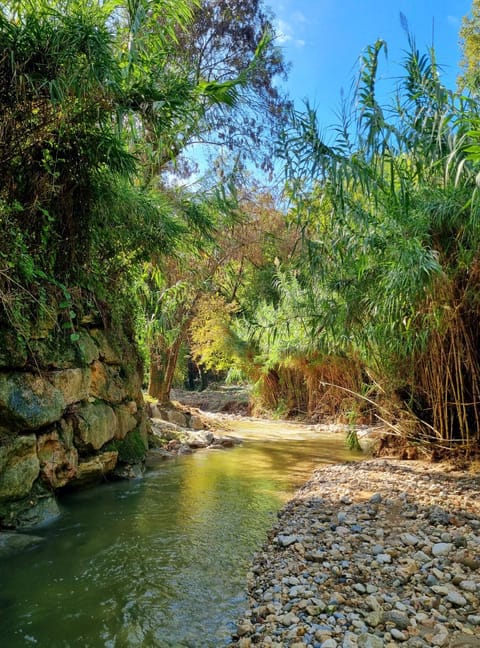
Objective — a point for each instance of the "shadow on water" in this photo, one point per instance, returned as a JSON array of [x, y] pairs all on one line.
[[160, 561]]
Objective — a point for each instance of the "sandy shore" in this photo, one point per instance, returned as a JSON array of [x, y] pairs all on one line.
[[375, 554]]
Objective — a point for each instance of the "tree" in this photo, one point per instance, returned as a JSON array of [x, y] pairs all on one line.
[[389, 213], [91, 96], [470, 37], [220, 44]]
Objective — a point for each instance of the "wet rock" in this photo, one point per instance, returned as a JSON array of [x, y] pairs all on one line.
[[12, 542]]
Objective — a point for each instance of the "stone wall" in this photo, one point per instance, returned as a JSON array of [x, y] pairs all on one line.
[[71, 413]]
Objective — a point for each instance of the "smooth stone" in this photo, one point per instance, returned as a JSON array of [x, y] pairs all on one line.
[[442, 548], [456, 599], [287, 540]]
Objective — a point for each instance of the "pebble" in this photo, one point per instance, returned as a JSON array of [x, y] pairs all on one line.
[[371, 554]]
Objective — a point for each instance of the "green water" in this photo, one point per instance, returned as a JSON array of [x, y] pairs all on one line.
[[160, 561]]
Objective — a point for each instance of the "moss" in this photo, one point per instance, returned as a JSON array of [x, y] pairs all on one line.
[[131, 450]]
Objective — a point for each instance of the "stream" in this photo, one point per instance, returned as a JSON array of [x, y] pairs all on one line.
[[162, 561]]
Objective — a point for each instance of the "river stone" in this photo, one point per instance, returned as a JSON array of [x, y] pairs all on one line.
[[19, 467], [196, 423], [12, 542], [456, 598], [197, 440], [43, 511], [96, 424], [58, 464], [179, 418], [74, 384], [287, 540], [442, 548], [367, 640], [106, 382], [28, 401]]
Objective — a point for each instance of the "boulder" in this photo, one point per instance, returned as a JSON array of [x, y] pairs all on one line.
[[196, 422], [58, 464], [28, 401], [106, 382], [106, 347], [12, 542], [125, 421], [74, 384], [40, 511], [19, 467], [95, 468], [179, 418], [95, 424], [88, 350]]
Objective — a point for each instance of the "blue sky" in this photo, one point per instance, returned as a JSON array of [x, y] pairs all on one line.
[[323, 39]]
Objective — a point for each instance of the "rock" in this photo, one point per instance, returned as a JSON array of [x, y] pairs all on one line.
[[95, 468], [398, 635], [126, 422], [42, 511], [245, 628], [28, 402], [107, 346], [468, 586], [58, 464], [12, 542], [88, 349], [179, 418], [196, 423], [289, 619], [19, 467], [400, 619], [376, 498], [95, 424], [370, 641], [287, 540], [456, 598], [74, 384], [107, 383], [442, 548], [197, 440], [374, 618]]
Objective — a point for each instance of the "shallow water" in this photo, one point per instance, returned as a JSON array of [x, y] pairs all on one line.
[[160, 561]]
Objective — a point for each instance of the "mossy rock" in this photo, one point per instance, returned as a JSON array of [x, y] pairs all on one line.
[[13, 350], [131, 449], [28, 401]]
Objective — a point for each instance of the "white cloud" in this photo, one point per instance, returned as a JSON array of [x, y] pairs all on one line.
[[283, 31], [299, 17]]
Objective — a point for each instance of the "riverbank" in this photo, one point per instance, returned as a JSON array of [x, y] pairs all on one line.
[[374, 554]]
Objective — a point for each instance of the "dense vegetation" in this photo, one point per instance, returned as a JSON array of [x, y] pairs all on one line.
[[353, 293]]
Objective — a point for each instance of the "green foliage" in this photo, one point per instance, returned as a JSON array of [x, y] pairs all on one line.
[[389, 217], [94, 103]]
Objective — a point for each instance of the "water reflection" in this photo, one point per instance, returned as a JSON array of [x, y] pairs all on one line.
[[162, 561]]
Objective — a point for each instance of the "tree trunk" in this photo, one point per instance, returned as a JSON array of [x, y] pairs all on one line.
[[161, 377], [155, 378]]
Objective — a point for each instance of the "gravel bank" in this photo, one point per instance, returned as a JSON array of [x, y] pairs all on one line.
[[375, 554]]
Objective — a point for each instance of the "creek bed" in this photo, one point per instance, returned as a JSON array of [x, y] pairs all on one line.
[[160, 561]]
